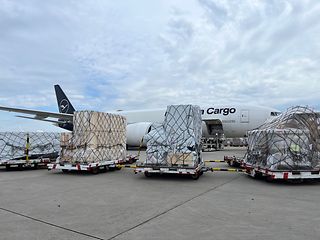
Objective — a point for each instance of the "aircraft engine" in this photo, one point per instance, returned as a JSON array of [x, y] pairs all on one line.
[[136, 131]]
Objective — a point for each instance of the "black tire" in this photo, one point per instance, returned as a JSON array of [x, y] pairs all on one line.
[[95, 170], [269, 179], [35, 166], [8, 167], [195, 176], [65, 170], [147, 174]]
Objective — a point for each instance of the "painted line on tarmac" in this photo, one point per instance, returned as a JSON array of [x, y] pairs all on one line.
[[227, 170], [172, 208], [50, 224], [214, 161]]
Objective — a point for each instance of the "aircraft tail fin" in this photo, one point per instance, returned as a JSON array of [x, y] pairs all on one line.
[[64, 104]]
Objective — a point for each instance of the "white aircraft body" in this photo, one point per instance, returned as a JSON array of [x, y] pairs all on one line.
[[234, 120]]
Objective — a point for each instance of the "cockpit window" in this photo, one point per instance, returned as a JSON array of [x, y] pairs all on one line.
[[275, 113]]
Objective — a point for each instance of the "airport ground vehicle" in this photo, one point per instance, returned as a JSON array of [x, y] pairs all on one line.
[[93, 167], [150, 170], [21, 164], [297, 175], [194, 172]]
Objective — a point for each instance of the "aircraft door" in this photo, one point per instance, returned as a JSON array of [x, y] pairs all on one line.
[[244, 116], [212, 127]]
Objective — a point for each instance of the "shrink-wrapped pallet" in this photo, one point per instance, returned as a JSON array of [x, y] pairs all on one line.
[[287, 142], [96, 137], [177, 140], [13, 144]]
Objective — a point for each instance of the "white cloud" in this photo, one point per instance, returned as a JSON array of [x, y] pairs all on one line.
[[140, 54]]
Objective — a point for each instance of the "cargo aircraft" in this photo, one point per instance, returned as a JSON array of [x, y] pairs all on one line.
[[233, 120]]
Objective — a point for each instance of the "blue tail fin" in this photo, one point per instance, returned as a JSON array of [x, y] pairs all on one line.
[[64, 104]]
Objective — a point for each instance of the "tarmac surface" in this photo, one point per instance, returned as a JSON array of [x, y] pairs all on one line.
[[37, 204]]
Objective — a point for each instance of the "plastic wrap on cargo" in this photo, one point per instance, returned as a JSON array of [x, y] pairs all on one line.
[[289, 141], [177, 140], [13, 145], [96, 137]]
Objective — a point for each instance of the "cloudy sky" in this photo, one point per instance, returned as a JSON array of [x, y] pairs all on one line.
[[136, 54]]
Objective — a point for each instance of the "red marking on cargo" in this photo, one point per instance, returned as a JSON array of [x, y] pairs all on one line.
[[285, 175], [78, 167]]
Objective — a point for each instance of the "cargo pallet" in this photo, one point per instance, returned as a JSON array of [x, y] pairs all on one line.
[[211, 144], [94, 167], [298, 175], [21, 164], [149, 170]]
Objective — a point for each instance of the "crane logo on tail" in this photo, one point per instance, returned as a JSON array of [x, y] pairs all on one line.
[[64, 106]]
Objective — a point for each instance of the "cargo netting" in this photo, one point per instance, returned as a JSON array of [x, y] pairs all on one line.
[[15, 146], [96, 137], [177, 140], [289, 141]]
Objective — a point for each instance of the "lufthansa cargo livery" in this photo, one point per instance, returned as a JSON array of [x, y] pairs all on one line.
[[234, 120]]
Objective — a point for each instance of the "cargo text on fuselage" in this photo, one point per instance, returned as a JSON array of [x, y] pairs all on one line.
[[223, 111]]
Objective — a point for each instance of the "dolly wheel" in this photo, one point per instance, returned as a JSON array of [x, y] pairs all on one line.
[[195, 176], [95, 170], [130, 161], [147, 174]]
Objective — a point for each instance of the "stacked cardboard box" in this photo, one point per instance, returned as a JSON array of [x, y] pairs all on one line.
[[96, 137], [65, 139]]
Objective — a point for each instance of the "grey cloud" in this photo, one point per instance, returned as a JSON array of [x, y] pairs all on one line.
[[120, 55], [217, 13]]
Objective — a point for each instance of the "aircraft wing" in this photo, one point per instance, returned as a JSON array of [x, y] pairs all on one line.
[[40, 115]]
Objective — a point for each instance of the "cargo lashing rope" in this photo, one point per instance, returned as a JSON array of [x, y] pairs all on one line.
[[289, 141], [20, 145]]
